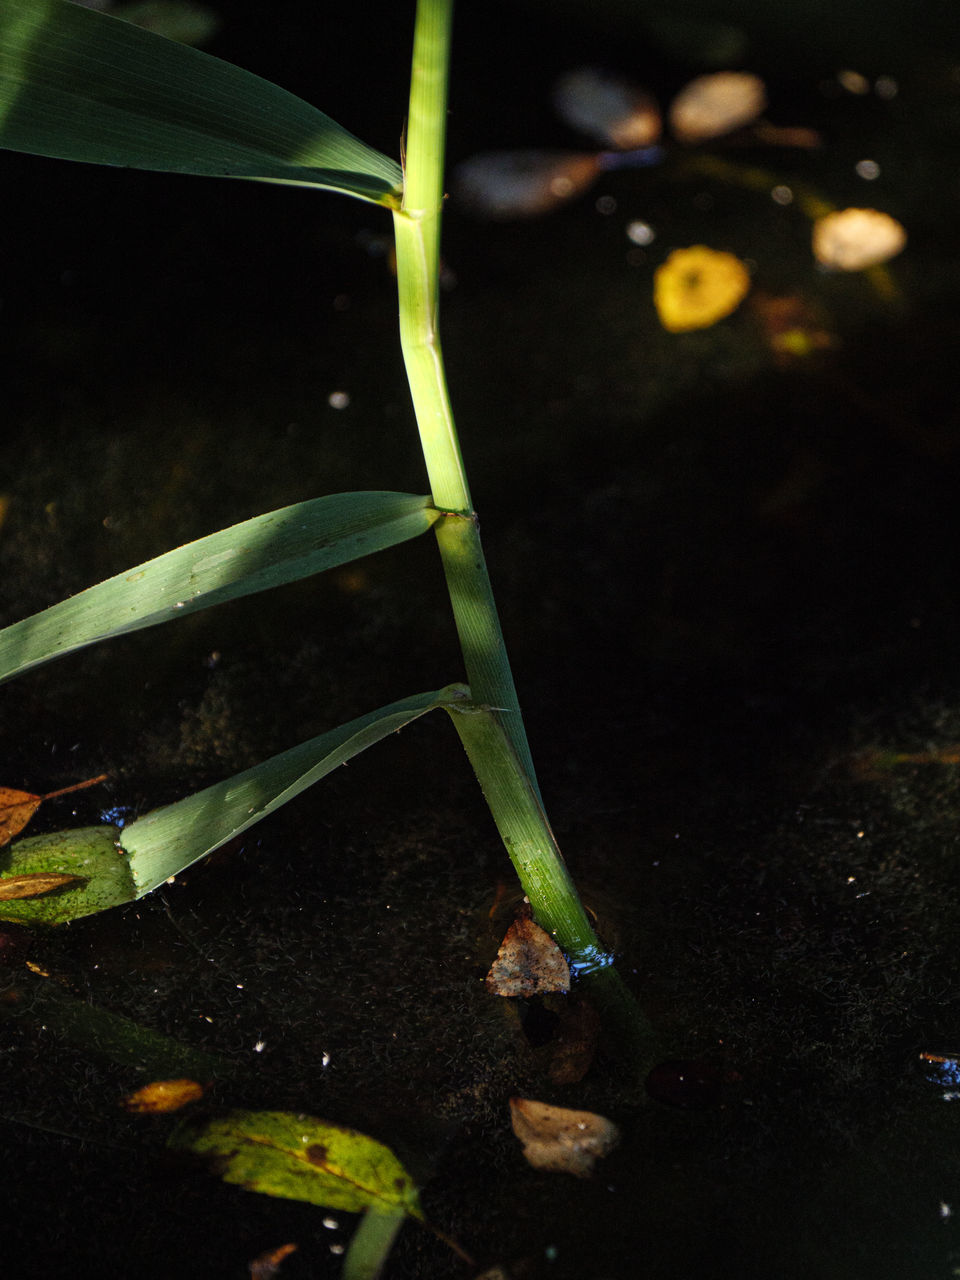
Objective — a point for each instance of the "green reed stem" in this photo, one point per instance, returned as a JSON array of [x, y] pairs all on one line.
[[490, 724]]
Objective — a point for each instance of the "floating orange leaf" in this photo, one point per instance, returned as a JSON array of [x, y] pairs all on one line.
[[33, 884], [266, 1265], [560, 1140], [698, 286], [162, 1095], [18, 807], [528, 963]]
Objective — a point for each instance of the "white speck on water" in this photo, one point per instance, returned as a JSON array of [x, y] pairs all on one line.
[[338, 399], [640, 232], [867, 169], [781, 194]]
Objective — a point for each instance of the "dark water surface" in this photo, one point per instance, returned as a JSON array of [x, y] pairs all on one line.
[[728, 578]]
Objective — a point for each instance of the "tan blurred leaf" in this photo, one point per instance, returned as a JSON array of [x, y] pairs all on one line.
[[266, 1265], [528, 963], [560, 1140], [162, 1095], [18, 807], [33, 884], [854, 239]]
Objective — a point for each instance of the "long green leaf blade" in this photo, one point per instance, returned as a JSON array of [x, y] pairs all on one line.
[[80, 85], [164, 842], [267, 551]]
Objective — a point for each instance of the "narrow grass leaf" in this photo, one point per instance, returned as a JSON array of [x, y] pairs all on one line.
[[267, 551], [80, 85], [297, 1157], [371, 1243], [164, 842], [96, 875]]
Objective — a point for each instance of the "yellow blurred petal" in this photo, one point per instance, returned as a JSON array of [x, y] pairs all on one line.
[[698, 286]]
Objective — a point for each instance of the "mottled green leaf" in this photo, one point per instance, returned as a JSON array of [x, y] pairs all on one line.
[[297, 1157], [91, 854]]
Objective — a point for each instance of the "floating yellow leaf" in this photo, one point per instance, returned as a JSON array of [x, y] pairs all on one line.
[[528, 963], [560, 1140], [162, 1095], [698, 286], [854, 239]]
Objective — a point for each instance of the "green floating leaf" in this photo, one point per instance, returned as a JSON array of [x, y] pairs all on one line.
[[80, 85], [91, 854], [164, 842], [297, 1157], [267, 551]]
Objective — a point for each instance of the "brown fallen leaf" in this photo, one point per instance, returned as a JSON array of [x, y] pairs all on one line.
[[266, 1265], [162, 1095], [560, 1140], [528, 963], [34, 884], [18, 807]]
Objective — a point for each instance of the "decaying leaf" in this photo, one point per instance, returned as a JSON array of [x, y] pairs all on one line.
[[297, 1157], [33, 885], [528, 963], [266, 1265], [162, 1095], [716, 104], [560, 1140], [854, 239], [18, 807]]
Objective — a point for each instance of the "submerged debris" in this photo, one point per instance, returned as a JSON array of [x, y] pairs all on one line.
[[608, 108], [522, 184]]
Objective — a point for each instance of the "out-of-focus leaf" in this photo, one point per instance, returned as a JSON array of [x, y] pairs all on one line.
[[267, 551], [267, 1265], [89, 856], [560, 1140], [371, 1243], [297, 1157], [18, 807], [80, 85], [176, 19], [161, 1096], [164, 842]]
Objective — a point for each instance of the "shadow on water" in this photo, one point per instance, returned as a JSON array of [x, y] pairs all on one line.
[[729, 581]]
